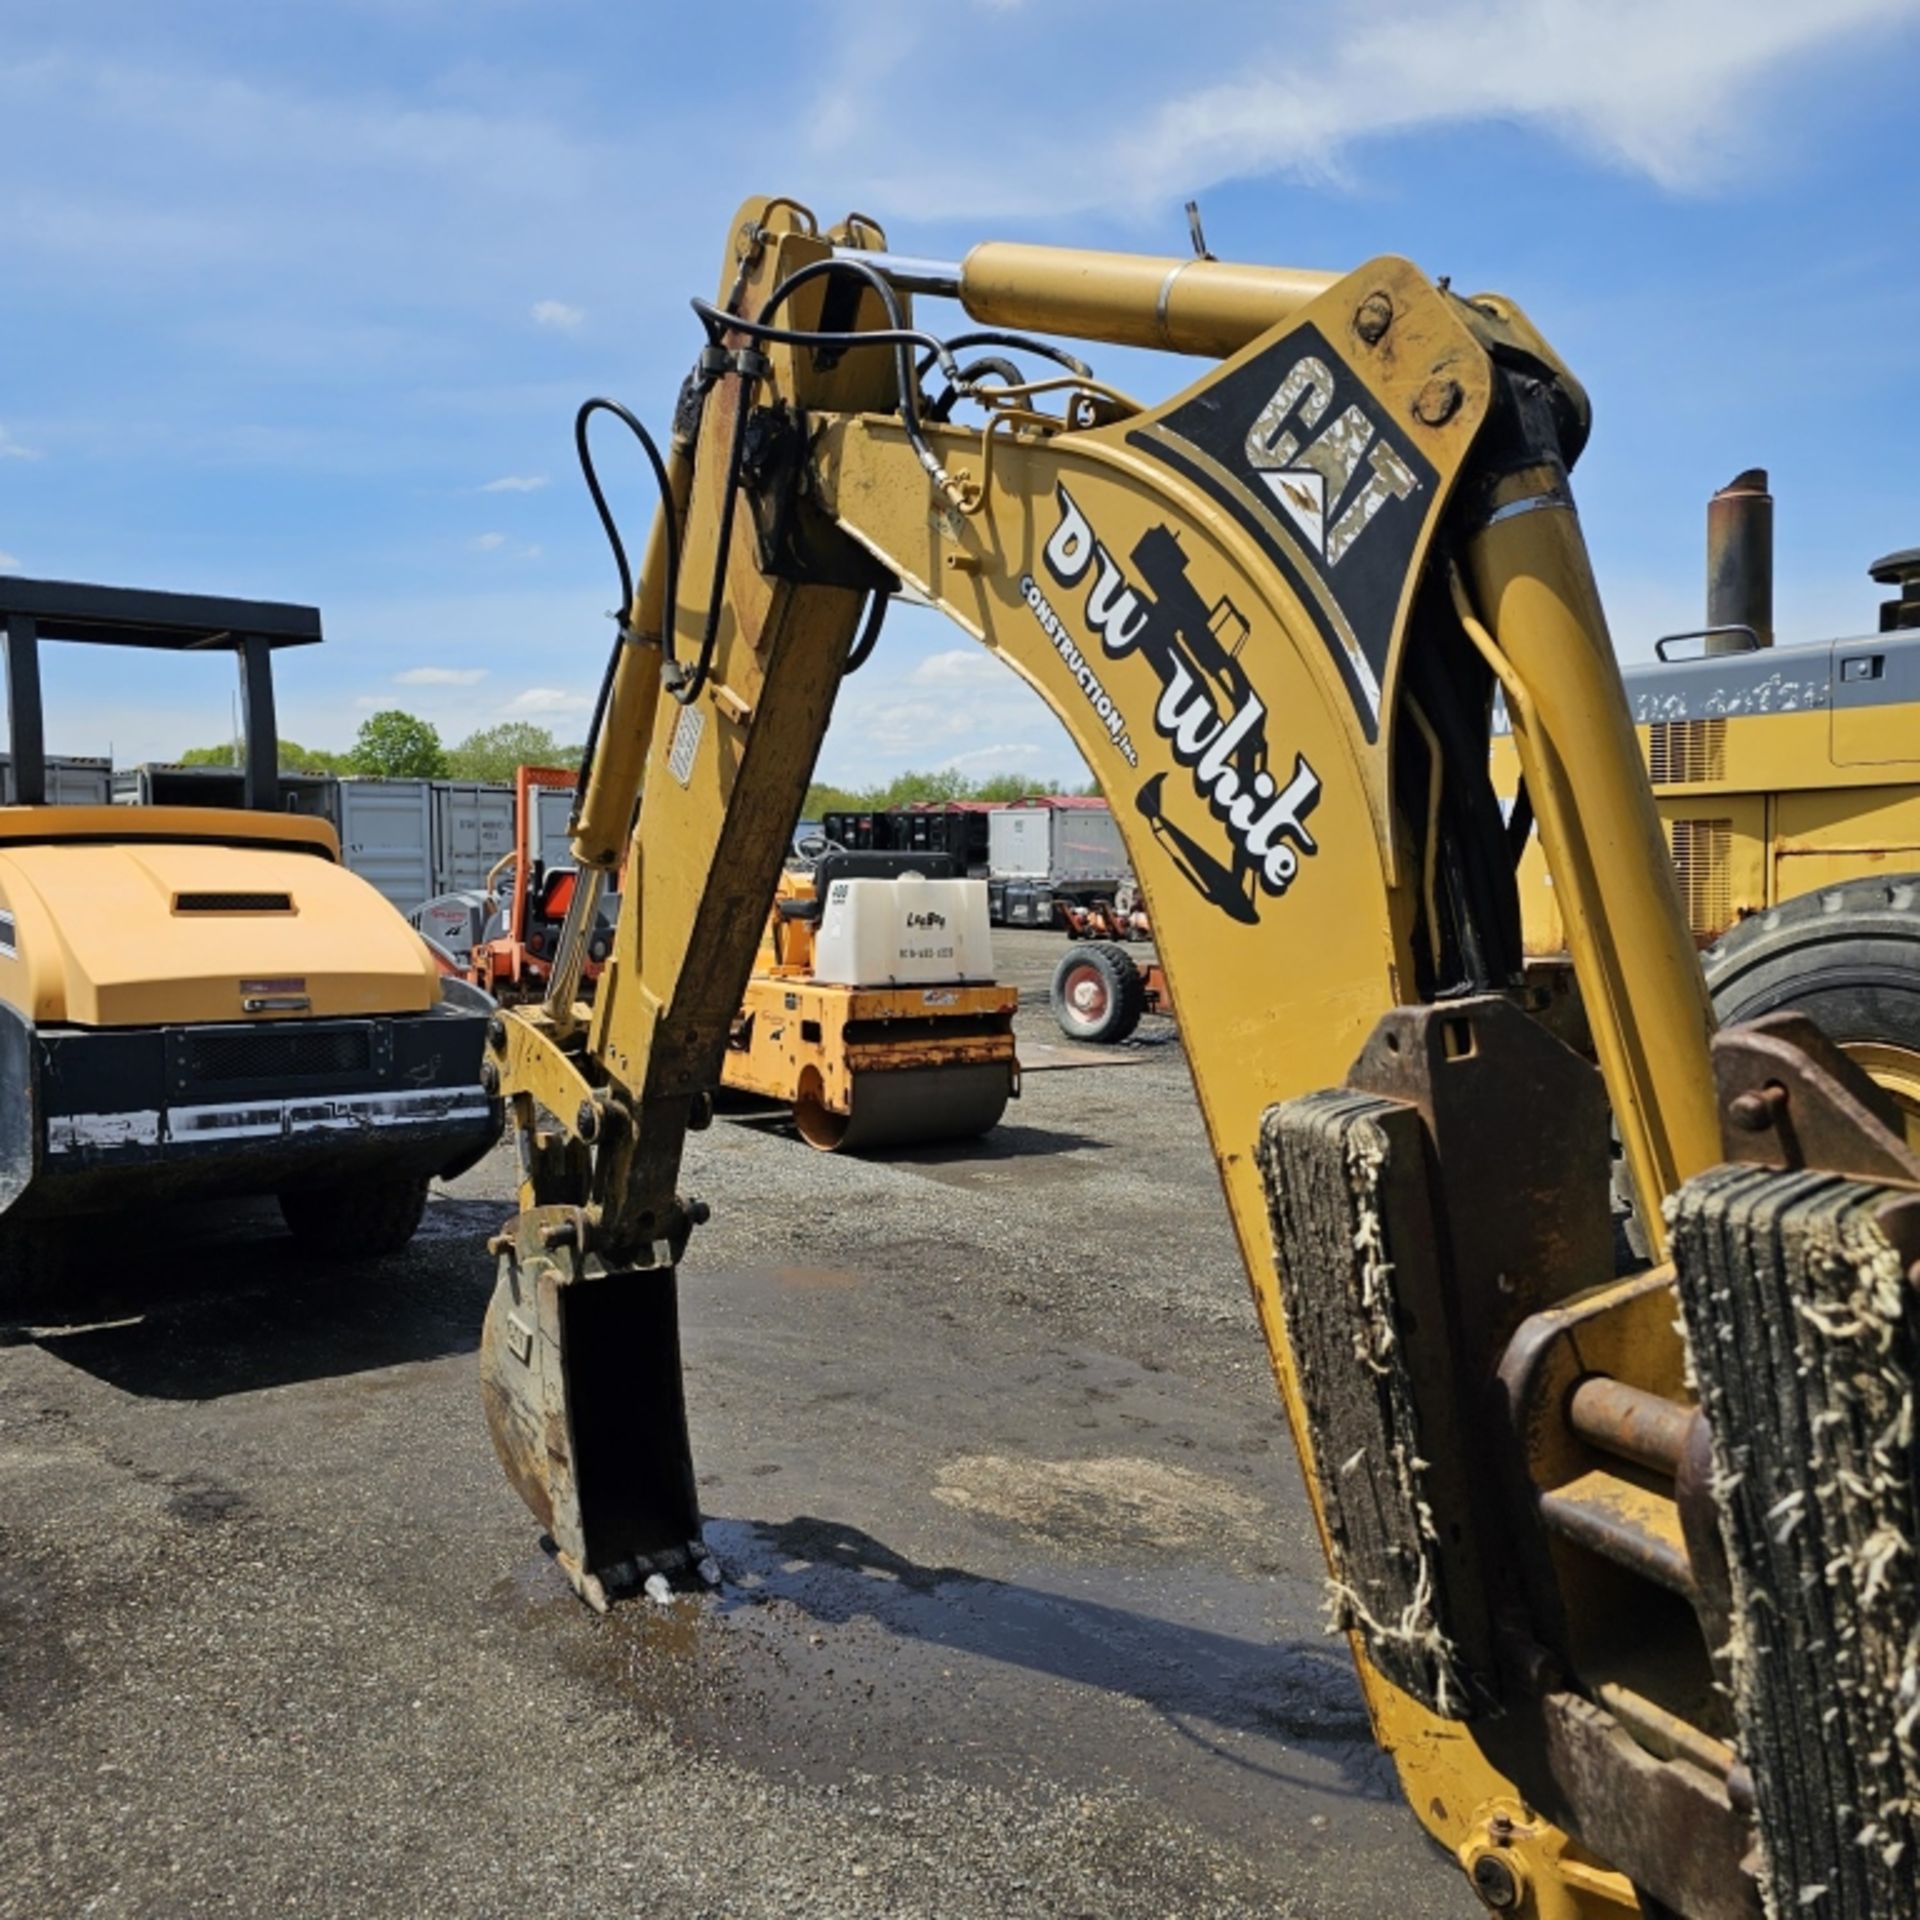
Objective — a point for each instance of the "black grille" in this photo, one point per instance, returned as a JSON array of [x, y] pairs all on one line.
[[233, 903], [279, 1054]]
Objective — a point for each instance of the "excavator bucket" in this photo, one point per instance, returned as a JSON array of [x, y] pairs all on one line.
[[580, 1376]]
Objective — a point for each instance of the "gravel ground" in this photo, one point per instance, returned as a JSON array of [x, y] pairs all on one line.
[[1022, 1611]]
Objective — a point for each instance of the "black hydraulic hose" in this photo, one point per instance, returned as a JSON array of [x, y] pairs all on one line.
[[686, 686], [897, 334], [1020, 343], [671, 595], [940, 410], [1520, 823], [870, 633], [718, 322]]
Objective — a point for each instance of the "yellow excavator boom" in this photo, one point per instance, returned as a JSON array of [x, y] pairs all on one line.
[[1273, 612]]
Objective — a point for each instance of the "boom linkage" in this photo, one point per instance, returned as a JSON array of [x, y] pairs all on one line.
[[1273, 612]]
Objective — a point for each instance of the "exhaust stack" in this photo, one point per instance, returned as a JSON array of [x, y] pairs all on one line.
[[1902, 572], [1740, 564]]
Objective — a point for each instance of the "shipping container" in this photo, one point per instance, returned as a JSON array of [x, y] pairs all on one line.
[[386, 837], [472, 832], [958, 828], [159, 784], [1071, 843], [856, 831], [73, 780]]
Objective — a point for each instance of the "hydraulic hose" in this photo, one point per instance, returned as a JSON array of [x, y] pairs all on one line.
[[670, 586]]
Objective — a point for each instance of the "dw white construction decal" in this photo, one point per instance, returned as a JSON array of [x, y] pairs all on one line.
[[1194, 648]]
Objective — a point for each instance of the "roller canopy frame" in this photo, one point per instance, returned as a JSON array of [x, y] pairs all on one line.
[[36, 610]]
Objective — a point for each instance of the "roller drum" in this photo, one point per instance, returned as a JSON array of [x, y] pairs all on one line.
[[909, 1107]]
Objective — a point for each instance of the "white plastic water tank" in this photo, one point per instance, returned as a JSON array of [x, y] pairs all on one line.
[[880, 933]]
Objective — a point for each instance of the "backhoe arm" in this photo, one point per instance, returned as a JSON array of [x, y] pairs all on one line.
[[1273, 613]]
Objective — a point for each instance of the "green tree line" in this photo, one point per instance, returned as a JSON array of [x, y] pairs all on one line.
[[943, 784], [394, 745]]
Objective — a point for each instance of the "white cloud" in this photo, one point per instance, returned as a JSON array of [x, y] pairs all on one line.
[[497, 543], [959, 667], [548, 700], [440, 677], [516, 483], [9, 563], [1654, 88], [1013, 754], [1686, 96], [11, 449], [557, 314]]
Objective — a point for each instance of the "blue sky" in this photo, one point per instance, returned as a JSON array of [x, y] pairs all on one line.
[[298, 299]]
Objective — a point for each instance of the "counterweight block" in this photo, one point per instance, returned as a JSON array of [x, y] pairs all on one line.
[[580, 1376]]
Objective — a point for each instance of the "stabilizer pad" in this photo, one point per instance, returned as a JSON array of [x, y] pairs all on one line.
[[1806, 1341], [1347, 1194]]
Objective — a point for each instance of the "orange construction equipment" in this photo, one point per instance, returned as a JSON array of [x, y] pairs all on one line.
[[502, 936]]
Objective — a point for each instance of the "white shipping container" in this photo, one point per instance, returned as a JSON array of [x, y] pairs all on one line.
[[1066, 846], [904, 932], [386, 837], [73, 780], [472, 831], [1087, 846], [1020, 843]]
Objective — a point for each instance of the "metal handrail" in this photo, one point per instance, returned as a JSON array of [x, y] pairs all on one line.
[[1754, 642]]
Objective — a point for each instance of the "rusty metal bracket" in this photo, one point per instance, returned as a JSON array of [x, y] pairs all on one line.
[[1789, 1098]]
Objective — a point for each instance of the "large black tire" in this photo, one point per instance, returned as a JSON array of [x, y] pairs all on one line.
[[1097, 992], [356, 1219], [1848, 957]]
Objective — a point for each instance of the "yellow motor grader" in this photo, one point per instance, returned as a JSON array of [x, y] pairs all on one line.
[[1625, 1559], [1787, 779]]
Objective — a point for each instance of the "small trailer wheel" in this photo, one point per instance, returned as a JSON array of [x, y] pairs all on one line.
[[1098, 993]]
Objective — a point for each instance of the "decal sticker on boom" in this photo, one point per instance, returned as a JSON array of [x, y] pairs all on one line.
[[1208, 713], [1300, 453], [1084, 677]]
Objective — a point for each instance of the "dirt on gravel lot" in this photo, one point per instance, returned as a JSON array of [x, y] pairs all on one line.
[[1022, 1610]]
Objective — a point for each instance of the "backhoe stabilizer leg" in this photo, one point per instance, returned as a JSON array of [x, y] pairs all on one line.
[[580, 1375]]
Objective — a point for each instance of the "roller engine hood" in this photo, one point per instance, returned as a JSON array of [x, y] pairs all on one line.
[[111, 921]]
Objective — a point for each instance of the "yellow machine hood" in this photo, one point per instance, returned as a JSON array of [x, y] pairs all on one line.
[[116, 917]]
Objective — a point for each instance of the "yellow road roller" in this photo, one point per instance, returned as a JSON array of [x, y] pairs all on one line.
[[202, 1001], [872, 1011]]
